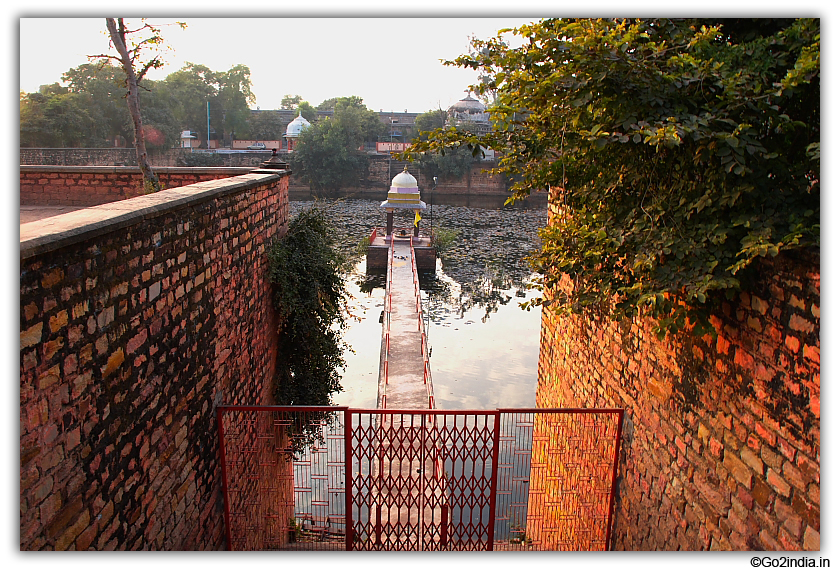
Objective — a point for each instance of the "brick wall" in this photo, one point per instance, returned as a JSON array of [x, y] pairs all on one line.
[[128, 157], [52, 168], [135, 323], [721, 444], [94, 185]]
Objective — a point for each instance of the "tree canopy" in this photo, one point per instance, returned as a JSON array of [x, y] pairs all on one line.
[[678, 152], [290, 101], [447, 162], [330, 154], [88, 107], [429, 121]]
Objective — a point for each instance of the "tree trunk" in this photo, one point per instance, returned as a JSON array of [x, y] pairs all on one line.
[[117, 33]]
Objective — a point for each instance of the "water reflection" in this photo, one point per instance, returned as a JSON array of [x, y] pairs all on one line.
[[484, 347]]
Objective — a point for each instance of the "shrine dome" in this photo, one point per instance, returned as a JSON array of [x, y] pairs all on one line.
[[404, 180], [297, 126]]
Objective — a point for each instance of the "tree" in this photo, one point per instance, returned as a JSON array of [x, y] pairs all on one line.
[[196, 91], [103, 83], [33, 128], [329, 104], [679, 152], [57, 118], [446, 163], [356, 118], [161, 128], [451, 164], [135, 67], [290, 101], [96, 91], [235, 97], [188, 91], [328, 154], [266, 126], [429, 121], [307, 111]]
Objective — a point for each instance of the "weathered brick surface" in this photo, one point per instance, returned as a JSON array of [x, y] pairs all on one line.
[[80, 186], [721, 444], [127, 157], [128, 342]]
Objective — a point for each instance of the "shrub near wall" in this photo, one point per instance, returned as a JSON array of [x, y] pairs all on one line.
[[721, 444], [133, 328]]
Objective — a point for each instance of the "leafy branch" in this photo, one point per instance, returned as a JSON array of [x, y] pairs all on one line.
[[678, 152]]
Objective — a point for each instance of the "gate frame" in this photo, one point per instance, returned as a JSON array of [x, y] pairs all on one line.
[[348, 415]]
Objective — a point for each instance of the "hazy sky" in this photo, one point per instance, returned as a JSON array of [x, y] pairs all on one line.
[[392, 63]]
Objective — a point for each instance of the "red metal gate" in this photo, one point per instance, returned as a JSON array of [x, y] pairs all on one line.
[[422, 481], [306, 478]]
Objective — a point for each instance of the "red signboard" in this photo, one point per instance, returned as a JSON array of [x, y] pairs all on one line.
[[391, 146]]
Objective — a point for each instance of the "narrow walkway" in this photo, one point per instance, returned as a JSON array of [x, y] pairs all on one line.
[[409, 496], [405, 381]]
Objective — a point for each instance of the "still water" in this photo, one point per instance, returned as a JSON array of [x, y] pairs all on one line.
[[484, 347]]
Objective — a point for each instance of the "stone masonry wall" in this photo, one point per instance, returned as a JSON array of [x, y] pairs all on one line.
[[94, 185], [721, 442], [380, 173], [136, 320], [476, 182]]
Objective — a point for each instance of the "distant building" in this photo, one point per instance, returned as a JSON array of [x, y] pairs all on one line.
[[400, 125], [189, 139], [469, 111]]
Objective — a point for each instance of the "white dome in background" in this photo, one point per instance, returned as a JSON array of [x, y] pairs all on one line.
[[404, 180], [469, 110], [468, 105], [297, 126]]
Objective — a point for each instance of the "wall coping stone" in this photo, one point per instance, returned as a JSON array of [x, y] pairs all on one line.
[[50, 234], [232, 170]]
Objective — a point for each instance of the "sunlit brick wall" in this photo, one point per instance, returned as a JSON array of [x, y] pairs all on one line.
[[129, 339], [93, 185], [721, 446]]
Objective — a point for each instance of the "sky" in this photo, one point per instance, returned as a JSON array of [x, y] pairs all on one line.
[[392, 63]]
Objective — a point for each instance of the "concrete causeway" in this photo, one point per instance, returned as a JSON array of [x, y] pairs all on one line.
[[405, 464]]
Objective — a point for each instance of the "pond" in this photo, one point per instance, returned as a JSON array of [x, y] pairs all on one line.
[[484, 347]]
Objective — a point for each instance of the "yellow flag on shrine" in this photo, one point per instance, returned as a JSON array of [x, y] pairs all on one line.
[[416, 218]]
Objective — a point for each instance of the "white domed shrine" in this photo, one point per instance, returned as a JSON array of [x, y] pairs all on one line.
[[294, 129], [404, 194]]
